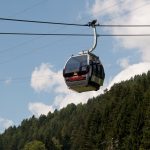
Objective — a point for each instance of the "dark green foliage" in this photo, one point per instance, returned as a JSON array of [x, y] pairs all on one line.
[[118, 119]]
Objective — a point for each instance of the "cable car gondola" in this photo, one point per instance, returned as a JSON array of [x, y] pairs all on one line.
[[84, 72]]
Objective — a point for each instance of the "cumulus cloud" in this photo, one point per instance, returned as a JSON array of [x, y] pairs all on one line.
[[73, 97], [123, 63], [39, 108], [53, 81], [131, 71], [5, 123], [126, 12], [99, 7], [43, 78]]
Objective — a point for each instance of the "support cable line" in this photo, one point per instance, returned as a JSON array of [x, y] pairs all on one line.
[[42, 22], [69, 34], [74, 24], [44, 34], [124, 25], [123, 35]]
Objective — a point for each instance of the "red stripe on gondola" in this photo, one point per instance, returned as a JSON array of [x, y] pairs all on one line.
[[76, 78]]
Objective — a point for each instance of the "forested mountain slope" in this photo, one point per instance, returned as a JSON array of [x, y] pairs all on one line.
[[118, 119]]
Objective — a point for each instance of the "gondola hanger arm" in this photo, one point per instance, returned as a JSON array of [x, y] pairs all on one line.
[[93, 25]]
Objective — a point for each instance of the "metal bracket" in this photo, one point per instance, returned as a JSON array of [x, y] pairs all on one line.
[[93, 25]]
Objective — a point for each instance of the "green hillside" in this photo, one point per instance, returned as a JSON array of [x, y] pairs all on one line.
[[118, 119]]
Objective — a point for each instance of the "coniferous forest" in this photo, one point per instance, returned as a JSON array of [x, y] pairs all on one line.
[[119, 119]]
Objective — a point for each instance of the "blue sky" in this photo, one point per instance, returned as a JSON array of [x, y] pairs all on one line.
[[31, 80]]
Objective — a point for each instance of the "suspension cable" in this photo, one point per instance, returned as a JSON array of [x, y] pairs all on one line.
[[42, 22], [69, 34], [74, 24]]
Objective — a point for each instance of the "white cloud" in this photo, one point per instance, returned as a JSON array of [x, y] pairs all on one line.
[[54, 83], [126, 12], [131, 71], [4, 124], [39, 108], [123, 63], [43, 78], [100, 7], [73, 97]]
